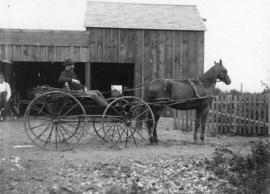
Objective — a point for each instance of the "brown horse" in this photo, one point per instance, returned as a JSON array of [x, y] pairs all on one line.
[[185, 95]]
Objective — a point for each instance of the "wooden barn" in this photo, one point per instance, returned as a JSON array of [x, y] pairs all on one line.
[[123, 44], [143, 41]]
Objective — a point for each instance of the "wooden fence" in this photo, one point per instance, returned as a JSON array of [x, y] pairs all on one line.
[[241, 115]]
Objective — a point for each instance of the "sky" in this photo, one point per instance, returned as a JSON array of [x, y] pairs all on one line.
[[238, 31]]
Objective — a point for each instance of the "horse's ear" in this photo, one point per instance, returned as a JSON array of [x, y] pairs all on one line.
[[215, 62], [220, 62]]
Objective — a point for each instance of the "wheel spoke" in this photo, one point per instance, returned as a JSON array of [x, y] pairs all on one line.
[[141, 114], [49, 137], [63, 135], [41, 125], [68, 132], [62, 107], [139, 134], [49, 125], [55, 130], [68, 111], [133, 135], [38, 110]]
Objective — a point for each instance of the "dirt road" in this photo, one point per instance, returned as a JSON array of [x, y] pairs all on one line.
[[40, 167]]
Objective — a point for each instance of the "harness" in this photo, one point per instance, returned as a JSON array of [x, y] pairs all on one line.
[[192, 84]]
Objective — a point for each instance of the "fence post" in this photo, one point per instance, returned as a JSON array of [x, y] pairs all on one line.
[[268, 112]]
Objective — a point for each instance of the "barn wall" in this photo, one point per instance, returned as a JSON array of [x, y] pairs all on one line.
[[43, 45], [156, 53]]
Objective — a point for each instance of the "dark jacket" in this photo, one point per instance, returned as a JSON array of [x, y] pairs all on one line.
[[67, 76]]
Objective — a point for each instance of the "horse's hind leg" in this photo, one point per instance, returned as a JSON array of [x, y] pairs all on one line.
[[197, 125], [203, 122], [157, 113]]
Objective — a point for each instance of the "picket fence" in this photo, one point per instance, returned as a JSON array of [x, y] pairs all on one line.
[[246, 114]]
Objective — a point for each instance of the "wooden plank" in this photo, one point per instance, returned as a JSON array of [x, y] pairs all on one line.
[[2, 52], [265, 113], [253, 115], [161, 47], [84, 54], [169, 54], [200, 53], [248, 115], [131, 49], [115, 45], [138, 61], [107, 45], [9, 52], [185, 55], [235, 113], [26, 53], [154, 53], [222, 112], [123, 46], [192, 55], [92, 44], [18, 53], [178, 55], [99, 45], [146, 56], [34, 53], [225, 113], [76, 53], [259, 110]]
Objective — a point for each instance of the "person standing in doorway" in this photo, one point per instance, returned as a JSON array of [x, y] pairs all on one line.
[[5, 94]]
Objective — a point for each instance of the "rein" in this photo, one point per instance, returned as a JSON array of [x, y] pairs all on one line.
[[139, 87]]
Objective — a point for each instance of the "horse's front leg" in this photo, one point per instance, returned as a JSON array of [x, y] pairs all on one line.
[[197, 125], [204, 115]]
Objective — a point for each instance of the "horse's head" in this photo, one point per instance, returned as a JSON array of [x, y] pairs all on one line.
[[222, 73]]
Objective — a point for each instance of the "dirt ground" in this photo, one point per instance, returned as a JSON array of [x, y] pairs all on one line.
[[37, 169]]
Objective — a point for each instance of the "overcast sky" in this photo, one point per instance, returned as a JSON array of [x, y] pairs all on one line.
[[238, 31]]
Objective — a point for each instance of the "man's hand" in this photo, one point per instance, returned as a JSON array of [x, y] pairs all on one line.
[[76, 81]]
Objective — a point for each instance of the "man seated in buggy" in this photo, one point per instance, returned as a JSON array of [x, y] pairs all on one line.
[[70, 79]]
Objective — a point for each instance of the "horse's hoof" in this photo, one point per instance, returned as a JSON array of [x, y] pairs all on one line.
[[195, 142], [202, 142]]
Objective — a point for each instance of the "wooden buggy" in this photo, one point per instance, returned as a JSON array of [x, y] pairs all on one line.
[[57, 119]]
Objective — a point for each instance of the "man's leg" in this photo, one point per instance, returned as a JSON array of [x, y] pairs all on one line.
[[4, 105], [98, 97]]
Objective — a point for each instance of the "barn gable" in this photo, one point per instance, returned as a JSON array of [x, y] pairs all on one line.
[[143, 16]]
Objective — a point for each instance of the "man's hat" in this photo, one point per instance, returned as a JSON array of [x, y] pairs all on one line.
[[68, 62]]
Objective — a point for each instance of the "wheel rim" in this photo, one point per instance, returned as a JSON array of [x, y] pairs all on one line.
[[124, 121], [55, 121]]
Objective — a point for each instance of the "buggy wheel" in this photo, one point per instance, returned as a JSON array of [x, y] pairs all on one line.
[[55, 120], [125, 121]]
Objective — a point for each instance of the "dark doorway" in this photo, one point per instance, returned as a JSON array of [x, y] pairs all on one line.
[[104, 75], [30, 74]]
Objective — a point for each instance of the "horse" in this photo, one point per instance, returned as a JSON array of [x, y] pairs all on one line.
[[185, 95]]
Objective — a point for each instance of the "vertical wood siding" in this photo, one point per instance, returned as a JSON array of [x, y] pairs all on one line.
[[155, 53]]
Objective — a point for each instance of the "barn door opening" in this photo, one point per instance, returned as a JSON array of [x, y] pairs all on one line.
[[106, 76]]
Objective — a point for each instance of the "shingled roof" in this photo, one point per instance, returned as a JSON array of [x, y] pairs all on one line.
[[143, 16]]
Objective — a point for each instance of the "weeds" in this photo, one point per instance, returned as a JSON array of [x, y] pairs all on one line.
[[250, 173]]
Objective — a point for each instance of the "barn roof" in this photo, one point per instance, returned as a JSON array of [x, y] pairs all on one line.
[[143, 16]]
